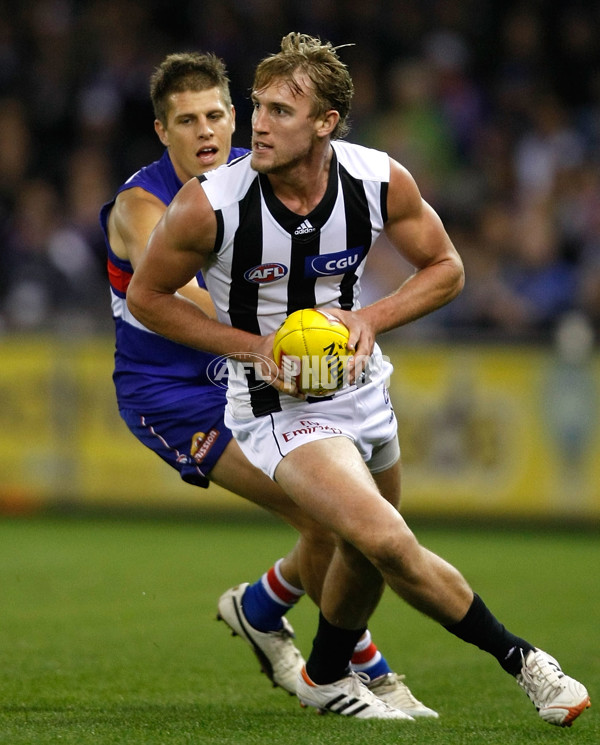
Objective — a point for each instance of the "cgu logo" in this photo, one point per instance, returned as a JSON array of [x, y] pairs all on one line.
[[265, 273], [337, 263]]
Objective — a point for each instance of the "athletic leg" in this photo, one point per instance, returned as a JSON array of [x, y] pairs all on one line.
[[260, 607], [367, 523], [372, 538], [192, 438]]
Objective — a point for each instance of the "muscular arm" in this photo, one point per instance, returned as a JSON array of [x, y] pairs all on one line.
[[132, 220], [178, 248], [417, 233]]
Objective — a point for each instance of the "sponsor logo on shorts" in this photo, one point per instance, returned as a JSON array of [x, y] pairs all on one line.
[[336, 263], [308, 427], [265, 273], [202, 442]]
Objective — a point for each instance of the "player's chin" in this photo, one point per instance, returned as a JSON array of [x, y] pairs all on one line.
[[261, 160], [259, 166]]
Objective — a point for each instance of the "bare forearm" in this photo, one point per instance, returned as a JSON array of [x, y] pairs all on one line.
[[421, 294], [182, 321]]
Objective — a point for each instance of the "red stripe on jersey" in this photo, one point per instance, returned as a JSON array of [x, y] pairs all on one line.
[[119, 279], [280, 590]]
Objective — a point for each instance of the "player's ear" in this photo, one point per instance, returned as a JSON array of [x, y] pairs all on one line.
[[325, 123], [233, 118], [161, 132]]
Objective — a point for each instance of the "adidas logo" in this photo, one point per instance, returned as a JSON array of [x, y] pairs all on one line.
[[304, 228]]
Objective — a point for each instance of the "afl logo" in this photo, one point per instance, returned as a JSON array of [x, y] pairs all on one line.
[[265, 273]]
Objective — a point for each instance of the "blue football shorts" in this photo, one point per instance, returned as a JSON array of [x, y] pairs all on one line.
[[190, 435]]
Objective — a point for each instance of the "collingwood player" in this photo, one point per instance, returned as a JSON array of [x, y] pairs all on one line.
[[168, 399], [255, 213]]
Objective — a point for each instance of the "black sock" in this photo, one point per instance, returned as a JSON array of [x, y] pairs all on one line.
[[332, 649], [480, 627]]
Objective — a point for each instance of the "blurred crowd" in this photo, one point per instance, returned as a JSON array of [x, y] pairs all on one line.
[[493, 105]]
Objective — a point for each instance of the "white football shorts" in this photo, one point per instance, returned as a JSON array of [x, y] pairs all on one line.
[[363, 415]]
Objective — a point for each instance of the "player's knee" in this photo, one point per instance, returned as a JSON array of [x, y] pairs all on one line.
[[395, 552]]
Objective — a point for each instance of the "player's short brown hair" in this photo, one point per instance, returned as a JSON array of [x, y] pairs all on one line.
[[331, 81], [186, 71]]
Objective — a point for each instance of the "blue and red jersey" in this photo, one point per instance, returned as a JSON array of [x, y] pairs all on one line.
[[150, 371]]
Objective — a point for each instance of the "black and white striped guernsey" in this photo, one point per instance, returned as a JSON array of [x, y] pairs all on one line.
[[269, 261]]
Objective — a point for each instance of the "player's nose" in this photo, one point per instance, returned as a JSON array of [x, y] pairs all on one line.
[[204, 128], [259, 120]]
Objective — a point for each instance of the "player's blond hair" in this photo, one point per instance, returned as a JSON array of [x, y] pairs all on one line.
[[319, 61], [186, 71]]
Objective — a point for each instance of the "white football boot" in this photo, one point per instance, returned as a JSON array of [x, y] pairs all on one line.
[[391, 689], [348, 696], [558, 698], [277, 654]]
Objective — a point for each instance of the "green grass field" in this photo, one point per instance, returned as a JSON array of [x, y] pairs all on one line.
[[108, 635]]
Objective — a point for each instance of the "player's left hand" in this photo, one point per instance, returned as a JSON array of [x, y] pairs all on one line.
[[360, 342]]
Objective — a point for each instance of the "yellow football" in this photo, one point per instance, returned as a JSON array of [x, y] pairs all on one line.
[[310, 348]]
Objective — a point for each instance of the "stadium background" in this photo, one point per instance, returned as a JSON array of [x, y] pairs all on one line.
[[494, 107]]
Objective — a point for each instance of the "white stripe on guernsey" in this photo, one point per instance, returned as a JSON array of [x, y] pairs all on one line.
[[373, 195], [120, 310], [333, 240], [364, 163], [273, 296], [219, 283]]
